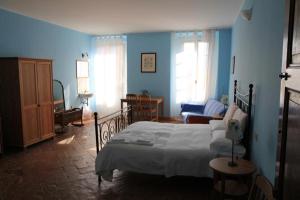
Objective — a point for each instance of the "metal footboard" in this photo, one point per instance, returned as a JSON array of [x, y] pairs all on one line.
[[106, 127]]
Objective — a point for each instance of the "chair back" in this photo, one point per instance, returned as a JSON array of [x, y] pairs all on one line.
[[148, 111], [144, 102], [133, 101], [132, 98], [261, 189], [145, 99]]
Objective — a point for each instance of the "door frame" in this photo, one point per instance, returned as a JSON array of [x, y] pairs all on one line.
[[285, 93]]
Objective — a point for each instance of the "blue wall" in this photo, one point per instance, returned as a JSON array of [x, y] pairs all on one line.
[[257, 45], [224, 57], [26, 37], [158, 84]]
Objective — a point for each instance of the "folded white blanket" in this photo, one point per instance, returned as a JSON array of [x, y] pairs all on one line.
[[123, 141], [143, 134]]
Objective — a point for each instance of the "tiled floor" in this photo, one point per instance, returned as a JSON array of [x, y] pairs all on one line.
[[63, 168]]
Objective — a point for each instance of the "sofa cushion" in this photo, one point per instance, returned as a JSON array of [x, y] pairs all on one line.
[[185, 115], [191, 107], [213, 107]]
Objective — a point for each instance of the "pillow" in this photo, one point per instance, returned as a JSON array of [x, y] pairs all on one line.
[[218, 134], [229, 114], [219, 143], [221, 146], [213, 107], [241, 117], [217, 125]]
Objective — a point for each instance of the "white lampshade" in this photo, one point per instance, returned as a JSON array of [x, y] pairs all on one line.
[[234, 131], [224, 99]]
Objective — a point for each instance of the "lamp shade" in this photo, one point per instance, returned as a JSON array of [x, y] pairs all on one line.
[[224, 100], [234, 131]]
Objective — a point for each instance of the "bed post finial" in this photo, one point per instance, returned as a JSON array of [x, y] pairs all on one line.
[[96, 131], [235, 88], [250, 98], [251, 87]]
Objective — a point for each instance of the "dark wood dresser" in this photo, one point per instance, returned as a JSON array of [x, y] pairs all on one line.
[[1, 137]]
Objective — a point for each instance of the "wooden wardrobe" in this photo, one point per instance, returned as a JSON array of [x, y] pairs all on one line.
[[26, 100]]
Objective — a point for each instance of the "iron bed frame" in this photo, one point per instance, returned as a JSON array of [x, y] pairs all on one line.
[[106, 127]]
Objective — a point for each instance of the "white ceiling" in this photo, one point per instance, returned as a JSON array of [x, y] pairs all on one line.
[[100, 17]]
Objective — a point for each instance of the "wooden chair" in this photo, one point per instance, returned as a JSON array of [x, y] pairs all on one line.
[[1, 138], [261, 189], [133, 101], [147, 110]]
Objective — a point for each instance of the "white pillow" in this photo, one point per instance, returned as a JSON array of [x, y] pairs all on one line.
[[229, 114], [217, 125], [241, 117], [221, 146], [219, 142], [218, 134]]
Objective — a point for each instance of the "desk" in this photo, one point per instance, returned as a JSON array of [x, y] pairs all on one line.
[[158, 101]]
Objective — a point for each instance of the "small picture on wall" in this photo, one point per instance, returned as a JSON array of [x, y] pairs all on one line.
[[148, 62]]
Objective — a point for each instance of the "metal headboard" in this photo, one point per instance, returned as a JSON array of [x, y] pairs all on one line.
[[244, 102]]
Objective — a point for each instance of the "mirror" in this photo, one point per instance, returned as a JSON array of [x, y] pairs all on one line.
[[58, 96], [82, 71]]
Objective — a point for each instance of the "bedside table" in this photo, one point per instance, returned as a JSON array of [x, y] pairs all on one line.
[[231, 181]]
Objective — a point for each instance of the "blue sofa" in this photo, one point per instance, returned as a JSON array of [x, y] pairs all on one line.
[[196, 113]]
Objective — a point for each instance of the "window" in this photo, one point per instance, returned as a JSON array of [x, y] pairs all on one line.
[[192, 70], [110, 71]]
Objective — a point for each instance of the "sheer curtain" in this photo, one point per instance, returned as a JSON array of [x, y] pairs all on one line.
[[193, 74], [110, 71]]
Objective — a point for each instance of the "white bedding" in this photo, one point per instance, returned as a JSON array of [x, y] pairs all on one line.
[[158, 148]]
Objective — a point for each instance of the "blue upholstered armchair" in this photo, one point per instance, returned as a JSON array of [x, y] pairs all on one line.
[[196, 113]]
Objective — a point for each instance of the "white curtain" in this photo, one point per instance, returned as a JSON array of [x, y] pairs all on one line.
[[193, 76], [110, 73]]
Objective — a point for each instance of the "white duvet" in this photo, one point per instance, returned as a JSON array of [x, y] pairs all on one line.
[[158, 148]]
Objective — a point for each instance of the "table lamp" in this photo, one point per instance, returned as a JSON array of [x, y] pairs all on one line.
[[224, 100], [233, 133]]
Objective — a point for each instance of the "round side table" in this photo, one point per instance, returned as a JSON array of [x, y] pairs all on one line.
[[231, 181]]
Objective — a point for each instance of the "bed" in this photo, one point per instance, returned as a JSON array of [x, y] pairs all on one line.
[[164, 148]]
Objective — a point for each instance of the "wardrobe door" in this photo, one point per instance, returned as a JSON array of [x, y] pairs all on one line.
[[45, 98], [29, 106]]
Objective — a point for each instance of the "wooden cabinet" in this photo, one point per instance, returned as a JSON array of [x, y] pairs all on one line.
[[26, 104], [1, 137]]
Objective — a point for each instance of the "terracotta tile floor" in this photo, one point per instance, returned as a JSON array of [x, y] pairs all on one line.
[[63, 168]]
